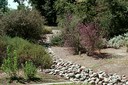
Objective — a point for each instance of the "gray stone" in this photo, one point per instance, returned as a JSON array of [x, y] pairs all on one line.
[[127, 83], [77, 76], [92, 82], [71, 75]]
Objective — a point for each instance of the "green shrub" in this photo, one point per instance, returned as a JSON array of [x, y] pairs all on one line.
[[57, 41], [30, 70], [26, 23], [29, 51], [10, 64]]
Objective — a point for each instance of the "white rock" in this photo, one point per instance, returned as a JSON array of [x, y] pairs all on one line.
[[77, 76]]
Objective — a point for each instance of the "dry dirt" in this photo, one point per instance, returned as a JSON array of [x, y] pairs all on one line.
[[114, 60]]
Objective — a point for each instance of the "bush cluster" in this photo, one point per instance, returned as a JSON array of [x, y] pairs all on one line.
[[26, 23], [29, 51]]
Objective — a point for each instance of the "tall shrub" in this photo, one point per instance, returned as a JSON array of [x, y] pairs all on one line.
[[90, 36], [26, 23]]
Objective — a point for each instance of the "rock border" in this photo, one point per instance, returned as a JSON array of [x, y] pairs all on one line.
[[78, 73]]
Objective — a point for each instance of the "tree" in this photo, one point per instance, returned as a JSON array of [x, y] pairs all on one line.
[[46, 7], [21, 4], [3, 5], [119, 19]]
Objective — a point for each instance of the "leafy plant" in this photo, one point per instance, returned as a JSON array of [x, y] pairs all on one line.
[[57, 41], [30, 70], [10, 64], [26, 23]]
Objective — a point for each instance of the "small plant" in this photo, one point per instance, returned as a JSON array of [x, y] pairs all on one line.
[[10, 64], [57, 41], [30, 70]]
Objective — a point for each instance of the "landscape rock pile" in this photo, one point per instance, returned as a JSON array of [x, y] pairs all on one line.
[[78, 73]]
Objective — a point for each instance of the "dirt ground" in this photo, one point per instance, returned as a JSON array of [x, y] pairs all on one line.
[[113, 60]]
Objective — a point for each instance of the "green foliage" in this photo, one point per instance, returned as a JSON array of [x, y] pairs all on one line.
[[10, 64], [27, 24], [46, 9], [29, 51], [118, 18], [3, 5], [57, 41], [30, 70]]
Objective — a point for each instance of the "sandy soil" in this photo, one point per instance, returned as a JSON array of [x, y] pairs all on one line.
[[114, 60]]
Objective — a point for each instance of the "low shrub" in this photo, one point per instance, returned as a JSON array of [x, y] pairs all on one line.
[[25, 23], [29, 51], [10, 64], [116, 42], [30, 70], [57, 41]]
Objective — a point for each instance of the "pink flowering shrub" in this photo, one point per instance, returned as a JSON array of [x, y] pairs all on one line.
[[82, 37], [90, 37]]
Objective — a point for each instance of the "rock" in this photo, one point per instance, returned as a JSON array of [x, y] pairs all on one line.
[[100, 76], [94, 75], [100, 82], [104, 83], [127, 83], [82, 79], [114, 80], [92, 82], [77, 76], [106, 80], [110, 84], [51, 73], [57, 71], [71, 75], [86, 82], [97, 80]]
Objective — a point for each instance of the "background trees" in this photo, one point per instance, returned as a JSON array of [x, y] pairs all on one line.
[[3, 5], [46, 7]]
